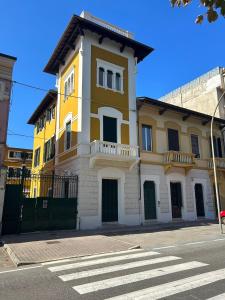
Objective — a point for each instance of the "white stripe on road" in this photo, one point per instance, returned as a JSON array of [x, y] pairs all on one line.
[[131, 278], [101, 261], [20, 269], [219, 297], [120, 267], [90, 257], [174, 287]]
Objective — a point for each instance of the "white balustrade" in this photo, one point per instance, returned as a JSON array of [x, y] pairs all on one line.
[[108, 148], [178, 157], [220, 163]]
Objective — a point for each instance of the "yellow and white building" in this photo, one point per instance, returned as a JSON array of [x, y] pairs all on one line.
[[134, 159]]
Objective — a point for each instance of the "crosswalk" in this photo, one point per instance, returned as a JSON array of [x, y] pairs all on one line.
[[135, 274]]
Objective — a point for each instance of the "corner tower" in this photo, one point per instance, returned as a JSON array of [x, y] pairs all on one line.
[[96, 132]]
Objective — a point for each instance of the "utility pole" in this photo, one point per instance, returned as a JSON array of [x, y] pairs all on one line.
[[214, 165]]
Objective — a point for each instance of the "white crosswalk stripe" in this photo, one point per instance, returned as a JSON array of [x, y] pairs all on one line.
[[174, 287], [88, 276], [131, 278], [219, 297], [119, 267], [101, 261]]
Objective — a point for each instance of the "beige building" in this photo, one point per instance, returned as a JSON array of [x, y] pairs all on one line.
[[6, 68], [175, 162], [201, 94]]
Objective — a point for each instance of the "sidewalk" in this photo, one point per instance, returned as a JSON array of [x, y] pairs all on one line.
[[47, 246]]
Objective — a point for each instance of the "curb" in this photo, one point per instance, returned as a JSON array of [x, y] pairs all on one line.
[[12, 255], [19, 263]]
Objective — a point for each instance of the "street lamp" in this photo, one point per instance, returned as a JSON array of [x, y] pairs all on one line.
[[214, 165]]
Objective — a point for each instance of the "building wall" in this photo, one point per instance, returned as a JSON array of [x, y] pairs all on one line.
[[40, 138], [201, 94], [6, 68], [89, 191], [153, 167]]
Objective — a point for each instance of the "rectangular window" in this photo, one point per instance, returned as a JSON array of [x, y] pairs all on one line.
[[146, 138], [101, 74], [109, 79], [15, 154], [49, 149], [69, 85], [217, 147], [109, 129], [173, 140], [195, 145], [68, 135], [37, 157]]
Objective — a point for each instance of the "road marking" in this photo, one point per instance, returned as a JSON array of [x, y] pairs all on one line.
[[101, 261], [166, 247], [174, 287], [219, 297], [90, 257], [135, 277], [120, 267], [194, 243], [188, 244], [20, 269]]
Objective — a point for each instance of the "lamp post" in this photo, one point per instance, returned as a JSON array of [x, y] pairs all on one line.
[[214, 165]]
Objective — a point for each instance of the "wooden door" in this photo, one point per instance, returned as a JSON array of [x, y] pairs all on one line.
[[199, 199], [176, 199], [149, 200]]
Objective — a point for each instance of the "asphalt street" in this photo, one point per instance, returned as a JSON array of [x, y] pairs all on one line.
[[185, 271]]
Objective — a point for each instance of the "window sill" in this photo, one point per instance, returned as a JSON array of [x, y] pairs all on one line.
[[109, 89]]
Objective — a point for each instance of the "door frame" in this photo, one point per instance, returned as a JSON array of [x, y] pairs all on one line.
[[203, 182], [181, 179], [156, 180], [112, 173]]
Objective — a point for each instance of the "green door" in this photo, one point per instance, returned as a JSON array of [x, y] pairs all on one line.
[[12, 209], [109, 200], [149, 200]]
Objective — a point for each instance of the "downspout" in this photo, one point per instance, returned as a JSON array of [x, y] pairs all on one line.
[[139, 167]]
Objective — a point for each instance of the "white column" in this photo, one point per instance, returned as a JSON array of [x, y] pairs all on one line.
[[84, 93]]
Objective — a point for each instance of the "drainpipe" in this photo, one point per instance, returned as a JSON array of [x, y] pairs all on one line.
[[139, 167]]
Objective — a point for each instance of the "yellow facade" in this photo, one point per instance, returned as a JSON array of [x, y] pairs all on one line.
[[101, 97], [68, 105], [149, 115]]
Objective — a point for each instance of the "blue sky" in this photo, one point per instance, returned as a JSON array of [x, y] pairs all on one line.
[[30, 30]]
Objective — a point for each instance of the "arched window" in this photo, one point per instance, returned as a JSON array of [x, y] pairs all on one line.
[[101, 76], [109, 79], [118, 82]]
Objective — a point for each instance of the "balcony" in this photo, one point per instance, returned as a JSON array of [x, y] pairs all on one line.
[[178, 159], [220, 163], [115, 154]]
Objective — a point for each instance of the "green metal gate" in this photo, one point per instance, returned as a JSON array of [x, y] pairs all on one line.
[[53, 207], [12, 209]]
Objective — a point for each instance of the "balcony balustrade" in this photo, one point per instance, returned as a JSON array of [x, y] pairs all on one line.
[[101, 150], [178, 159], [220, 163]]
